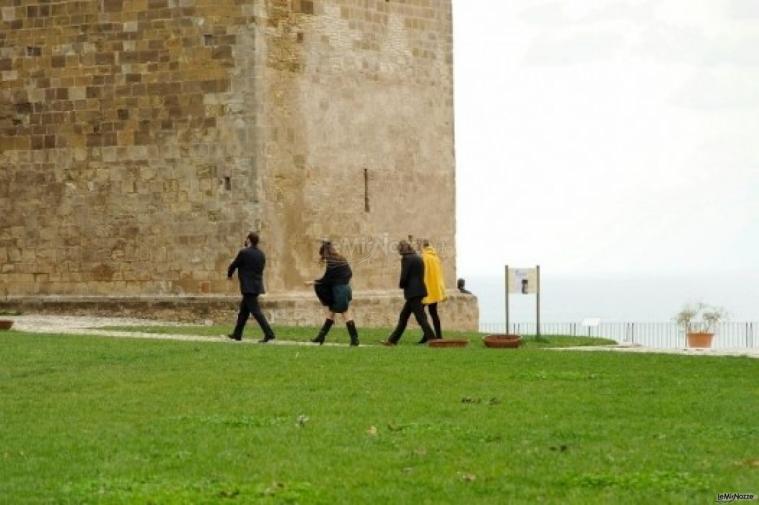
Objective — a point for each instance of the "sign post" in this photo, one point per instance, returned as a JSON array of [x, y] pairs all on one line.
[[523, 281], [537, 303], [506, 283]]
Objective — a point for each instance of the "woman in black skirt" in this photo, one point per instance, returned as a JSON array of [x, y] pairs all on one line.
[[334, 292]]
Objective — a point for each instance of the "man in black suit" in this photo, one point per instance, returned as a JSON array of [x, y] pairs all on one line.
[[250, 263], [412, 284]]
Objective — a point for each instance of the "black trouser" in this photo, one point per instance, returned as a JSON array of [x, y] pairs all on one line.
[[412, 306], [435, 320], [249, 305]]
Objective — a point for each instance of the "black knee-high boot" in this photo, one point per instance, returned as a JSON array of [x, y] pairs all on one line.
[[323, 332], [353, 332]]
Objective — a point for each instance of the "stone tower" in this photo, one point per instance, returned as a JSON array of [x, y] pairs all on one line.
[[141, 139]]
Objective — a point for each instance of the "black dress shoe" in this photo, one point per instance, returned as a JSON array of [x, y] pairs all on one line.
[[422, 341], [266, 339], [388, 343], [232, 337]]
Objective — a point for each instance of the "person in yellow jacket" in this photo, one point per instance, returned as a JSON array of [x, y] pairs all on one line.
[[435, 284]]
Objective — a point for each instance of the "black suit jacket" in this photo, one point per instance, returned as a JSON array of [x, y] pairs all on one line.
[[412, 276], [249, 263]]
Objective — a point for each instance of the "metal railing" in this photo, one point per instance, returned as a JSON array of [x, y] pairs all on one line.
[[665, 335]]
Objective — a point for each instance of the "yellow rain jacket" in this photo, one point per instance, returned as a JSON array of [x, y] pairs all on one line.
[[433, 277]]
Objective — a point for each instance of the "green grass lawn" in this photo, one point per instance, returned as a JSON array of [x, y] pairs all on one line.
[[100, 420]]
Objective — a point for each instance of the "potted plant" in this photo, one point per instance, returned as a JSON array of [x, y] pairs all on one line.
[[502, 341], [699, 322]]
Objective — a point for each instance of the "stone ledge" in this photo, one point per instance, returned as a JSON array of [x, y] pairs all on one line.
[[370, 308]]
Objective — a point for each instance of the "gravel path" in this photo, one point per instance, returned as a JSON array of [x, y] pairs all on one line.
[[76, 325], [748, 353]]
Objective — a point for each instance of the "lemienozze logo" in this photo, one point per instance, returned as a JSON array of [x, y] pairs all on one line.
[[731, 497]]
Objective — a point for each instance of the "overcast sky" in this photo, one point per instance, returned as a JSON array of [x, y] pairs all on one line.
[[607, 136]]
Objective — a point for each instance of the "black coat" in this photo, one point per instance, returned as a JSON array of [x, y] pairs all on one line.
[[249, 263], [333, 289], [337, 272], [412, 276]]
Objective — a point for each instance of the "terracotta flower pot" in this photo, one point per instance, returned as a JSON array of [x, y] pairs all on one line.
[[503, 341], [5, 324], [440, 342], [700, 340]]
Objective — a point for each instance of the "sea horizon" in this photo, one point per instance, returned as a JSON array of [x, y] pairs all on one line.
[[618, 297]]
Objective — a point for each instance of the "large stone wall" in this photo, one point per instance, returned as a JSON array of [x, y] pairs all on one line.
[[356, 132], [370, 309], [141, 139], [125, 128]]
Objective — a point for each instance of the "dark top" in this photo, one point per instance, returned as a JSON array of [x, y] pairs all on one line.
[[333, 289], [412, 276], [337, 272], [249, 263]]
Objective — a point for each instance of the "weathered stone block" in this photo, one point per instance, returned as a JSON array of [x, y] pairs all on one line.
[[112, 5]]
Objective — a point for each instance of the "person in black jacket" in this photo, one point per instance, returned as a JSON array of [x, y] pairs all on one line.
[[334, 292], [461, 285], [412, 284], [250, 263]]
